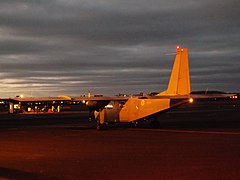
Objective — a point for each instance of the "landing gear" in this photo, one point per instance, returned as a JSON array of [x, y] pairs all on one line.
[[101, 126], [91, 116], [99, 117], [135, 123]]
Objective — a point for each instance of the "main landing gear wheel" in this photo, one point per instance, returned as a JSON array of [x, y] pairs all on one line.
[[136, 123], [101, 126]]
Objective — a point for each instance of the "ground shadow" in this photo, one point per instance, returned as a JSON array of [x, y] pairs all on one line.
[[9, 173]]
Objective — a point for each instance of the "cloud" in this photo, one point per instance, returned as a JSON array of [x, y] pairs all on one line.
[[70, 47]]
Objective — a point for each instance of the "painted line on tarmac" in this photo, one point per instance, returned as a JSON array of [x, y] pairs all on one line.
[[189, 131]]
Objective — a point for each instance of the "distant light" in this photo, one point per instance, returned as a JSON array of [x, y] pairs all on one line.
[[178, 47], [89, 94], [109, 106], [191, 100], [21, 96], [234, 97]]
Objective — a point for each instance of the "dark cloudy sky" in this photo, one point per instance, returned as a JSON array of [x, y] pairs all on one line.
[[53, 47]]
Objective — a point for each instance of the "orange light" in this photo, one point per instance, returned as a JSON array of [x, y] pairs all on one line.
[[191, 100], [234, 97]]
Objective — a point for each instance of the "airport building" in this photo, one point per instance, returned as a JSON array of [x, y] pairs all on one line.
[[41, 105]]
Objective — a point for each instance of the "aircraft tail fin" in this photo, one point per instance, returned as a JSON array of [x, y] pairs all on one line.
[[179, 83]]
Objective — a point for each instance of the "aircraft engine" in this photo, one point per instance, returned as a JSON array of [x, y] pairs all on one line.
[[96, 105], [111, 111]]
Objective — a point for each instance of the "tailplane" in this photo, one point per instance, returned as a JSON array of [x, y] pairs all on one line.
[[179, 83]]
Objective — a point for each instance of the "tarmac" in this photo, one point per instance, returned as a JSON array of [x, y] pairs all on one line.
[[199, 141]]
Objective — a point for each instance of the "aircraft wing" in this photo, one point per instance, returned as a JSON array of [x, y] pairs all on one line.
[[64, 98], [212, 96], [100, 98]]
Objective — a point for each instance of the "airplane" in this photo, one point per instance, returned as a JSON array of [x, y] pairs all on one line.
[[135, 109]]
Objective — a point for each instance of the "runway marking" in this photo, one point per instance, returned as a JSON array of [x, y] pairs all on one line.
[[190, 131]]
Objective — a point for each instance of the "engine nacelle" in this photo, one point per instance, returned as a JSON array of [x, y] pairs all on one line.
[[111, 112], [96, 105]]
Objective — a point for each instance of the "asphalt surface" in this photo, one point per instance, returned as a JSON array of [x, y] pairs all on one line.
[[192, 142]]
